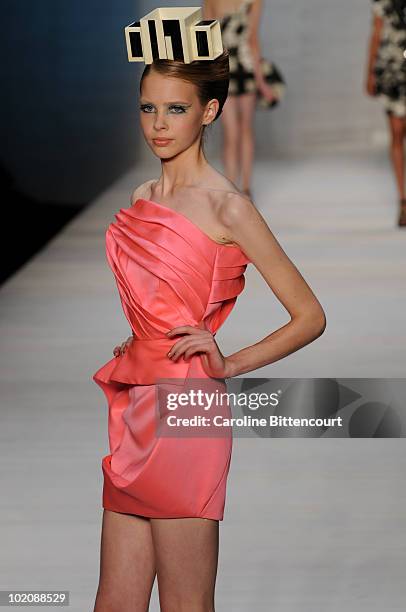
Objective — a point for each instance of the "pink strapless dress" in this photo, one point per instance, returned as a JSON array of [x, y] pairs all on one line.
[[168, 273]]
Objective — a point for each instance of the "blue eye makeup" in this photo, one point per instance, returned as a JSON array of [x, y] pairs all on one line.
[[174, 109], [178, 107]]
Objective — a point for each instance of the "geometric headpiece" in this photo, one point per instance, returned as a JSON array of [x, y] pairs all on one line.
[[176, 33]]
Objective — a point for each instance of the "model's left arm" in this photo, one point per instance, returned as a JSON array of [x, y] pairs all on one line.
[[249, 230]]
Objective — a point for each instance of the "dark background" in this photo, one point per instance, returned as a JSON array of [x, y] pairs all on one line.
[[69, 117], [68, 114]]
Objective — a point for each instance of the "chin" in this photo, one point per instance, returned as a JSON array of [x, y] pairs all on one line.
[[164, 153]]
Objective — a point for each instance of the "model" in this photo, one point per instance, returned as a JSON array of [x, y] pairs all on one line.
[[386, 78], [240, 33], [178, 254]]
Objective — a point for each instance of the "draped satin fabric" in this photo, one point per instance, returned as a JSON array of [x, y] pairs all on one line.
[[168, 273]]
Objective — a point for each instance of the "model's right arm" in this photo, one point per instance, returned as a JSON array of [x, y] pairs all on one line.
[[374, 42], [142, 191]]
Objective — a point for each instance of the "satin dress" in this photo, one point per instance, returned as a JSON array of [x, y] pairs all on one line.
[[168, 273]]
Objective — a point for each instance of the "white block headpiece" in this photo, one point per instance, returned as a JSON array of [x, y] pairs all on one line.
[[176, 33]]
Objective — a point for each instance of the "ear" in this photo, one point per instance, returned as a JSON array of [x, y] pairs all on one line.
[[211, 111]]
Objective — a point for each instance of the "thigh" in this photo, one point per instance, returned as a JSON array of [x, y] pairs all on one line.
[[127, 564], [396, 124], [186, 553], [246, 107], [229, 117]]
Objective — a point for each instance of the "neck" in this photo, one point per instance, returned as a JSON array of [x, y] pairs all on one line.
[[185, 169]]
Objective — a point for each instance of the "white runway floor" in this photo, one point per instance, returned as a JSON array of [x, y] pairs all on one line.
[[310, 525]]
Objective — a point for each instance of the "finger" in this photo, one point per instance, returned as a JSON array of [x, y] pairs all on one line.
[[183, 329], [189, 344], [177, 349], [201, 347], [183, 342]]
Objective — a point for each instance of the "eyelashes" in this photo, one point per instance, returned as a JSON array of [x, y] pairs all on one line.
[[177, 108]]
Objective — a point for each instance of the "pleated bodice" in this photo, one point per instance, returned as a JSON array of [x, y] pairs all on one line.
[[168, 272]]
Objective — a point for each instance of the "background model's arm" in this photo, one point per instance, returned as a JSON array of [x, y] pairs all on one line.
[[254, 19], [253, 38], [374, 42], [207, 10]]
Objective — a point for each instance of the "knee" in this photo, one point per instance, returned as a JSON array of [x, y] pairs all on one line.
[[188, 607], [116, 602], [231, 140], [180, 604], [397, 138], [245, 129]]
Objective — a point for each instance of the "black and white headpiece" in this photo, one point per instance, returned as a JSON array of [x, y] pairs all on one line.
[[176, 33]]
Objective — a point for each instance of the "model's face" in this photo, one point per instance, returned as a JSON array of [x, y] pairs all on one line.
[[172, 116]]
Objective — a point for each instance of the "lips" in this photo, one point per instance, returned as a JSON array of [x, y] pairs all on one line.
[[162, 141]]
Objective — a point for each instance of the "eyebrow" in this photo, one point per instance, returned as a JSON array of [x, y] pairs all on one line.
[[142, 101]]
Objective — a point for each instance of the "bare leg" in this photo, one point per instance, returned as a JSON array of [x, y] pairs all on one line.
[[397, 127], [246, 104], [186, 552], [127, 564], [231, 138]]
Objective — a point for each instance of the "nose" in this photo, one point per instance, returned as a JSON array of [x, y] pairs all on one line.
[[160, 120]]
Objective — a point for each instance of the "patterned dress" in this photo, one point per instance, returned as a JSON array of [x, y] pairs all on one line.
[[234, 30], [390, 66], [234, 34]]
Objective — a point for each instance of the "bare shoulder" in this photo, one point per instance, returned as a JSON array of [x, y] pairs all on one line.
[[244, 225], [237, 215], [235, 208], [142, 191]]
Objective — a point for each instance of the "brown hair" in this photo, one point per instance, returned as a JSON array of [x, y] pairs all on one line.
[[211, 77]]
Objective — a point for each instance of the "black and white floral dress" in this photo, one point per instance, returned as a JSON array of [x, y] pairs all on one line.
[[390, 65], [234, 34], [234, 30]]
